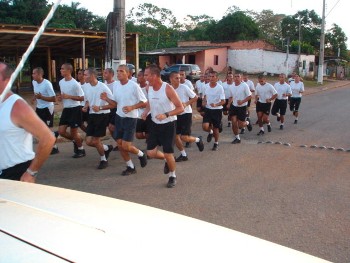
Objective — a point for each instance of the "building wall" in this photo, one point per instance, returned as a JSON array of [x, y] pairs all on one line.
[[209, 59], [261, 61]]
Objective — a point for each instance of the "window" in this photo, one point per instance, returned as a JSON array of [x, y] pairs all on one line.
[[216, 60], [311, 66], [304, 64]]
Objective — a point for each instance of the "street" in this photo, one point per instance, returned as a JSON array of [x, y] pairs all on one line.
[[291, 187]]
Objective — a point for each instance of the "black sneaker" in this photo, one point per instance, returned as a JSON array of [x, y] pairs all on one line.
[[56, 134], [200, 144], [229, 124], [242, 131], [181, 158], [143, 160], [220, 127], [269, 128], [188, 145], [235, 141], [129, 171], [215, 147], [210, 137], [75, 147], [172, 182], [166, 168], [110, 148], [261, 132], [281, 127], [103, 164], [79, 153], [295, 121], [54, 150], [249, 126]]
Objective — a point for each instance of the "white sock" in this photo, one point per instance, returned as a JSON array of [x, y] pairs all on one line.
[[103, 158], [130, 164], [105, 147], [183, 153], [172, 174], [81, 148], [140, 153], [237, 137], [262, 129], [211, 132], [197, 139]]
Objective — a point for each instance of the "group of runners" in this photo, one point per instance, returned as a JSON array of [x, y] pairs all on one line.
[[148, 108]]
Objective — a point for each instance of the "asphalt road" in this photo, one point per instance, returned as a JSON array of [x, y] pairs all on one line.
[[295, 196]]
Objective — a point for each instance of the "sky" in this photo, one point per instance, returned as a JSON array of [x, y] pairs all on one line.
[[336, 10]]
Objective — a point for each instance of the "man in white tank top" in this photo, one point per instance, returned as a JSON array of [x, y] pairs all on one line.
[[19, 123], [164, 105]]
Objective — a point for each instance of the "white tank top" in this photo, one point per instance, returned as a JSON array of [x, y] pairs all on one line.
[[16, 144], [160, 104]]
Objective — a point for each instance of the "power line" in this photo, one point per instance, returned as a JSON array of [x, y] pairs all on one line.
[[333, 7]]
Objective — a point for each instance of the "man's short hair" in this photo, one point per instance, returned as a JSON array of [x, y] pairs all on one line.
[[110, 70], [40, 70], [173, 73], [7, 72], [154, 69], [92, 71], [68, 66]]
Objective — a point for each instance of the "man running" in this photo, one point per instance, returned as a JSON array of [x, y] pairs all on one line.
[[280, 104], [265, 93], [164, 105], [184, 120]]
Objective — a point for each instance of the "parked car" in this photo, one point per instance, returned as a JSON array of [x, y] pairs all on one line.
[[192, 71], [41, 224]]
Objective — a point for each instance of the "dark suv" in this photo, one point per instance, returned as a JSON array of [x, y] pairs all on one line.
[[192, 71]]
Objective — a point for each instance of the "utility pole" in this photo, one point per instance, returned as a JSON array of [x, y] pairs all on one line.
[[299, 46], [115, 43], [321, 57]]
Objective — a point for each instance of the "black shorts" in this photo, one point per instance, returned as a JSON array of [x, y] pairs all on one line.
[[71, 117], [45, 115], [97, 125], [15, 172], [294, 104], [213, 116], [263, 107], [112, 114], [224, 107], [279, 106], [143, 125], [184, 124], [85, 115], [200, 107], [240, 112], [124, 128], [162, 134], [249, 102]]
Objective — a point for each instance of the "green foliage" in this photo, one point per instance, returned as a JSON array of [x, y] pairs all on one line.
[[305, 48], [233, 27]]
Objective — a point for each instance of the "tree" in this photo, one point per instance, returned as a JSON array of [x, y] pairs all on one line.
[[336, 42], [158, 26], [269, 25], [233, 27], [195, 27]]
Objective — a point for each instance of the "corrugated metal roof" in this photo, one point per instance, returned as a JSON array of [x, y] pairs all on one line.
[[177, 50]]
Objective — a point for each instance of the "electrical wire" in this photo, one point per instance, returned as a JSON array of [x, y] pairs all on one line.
[[29, 50]]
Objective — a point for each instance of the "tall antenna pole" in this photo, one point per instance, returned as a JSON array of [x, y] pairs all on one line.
[[321, 57]]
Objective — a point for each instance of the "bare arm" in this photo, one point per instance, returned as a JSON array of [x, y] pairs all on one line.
[[23, 116], [174, 98]]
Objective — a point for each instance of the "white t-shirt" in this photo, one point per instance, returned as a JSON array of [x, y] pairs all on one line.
[[46, 89], [250, 85], [127, 95], [239, 92], [227, 91], [265, 92], [214, 95], [188, 83], [85, 87], [282, 89], [141, 110], [93, 96], [110, 85], [73, 88], [199, 87], [297, 88], [185, 93]]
